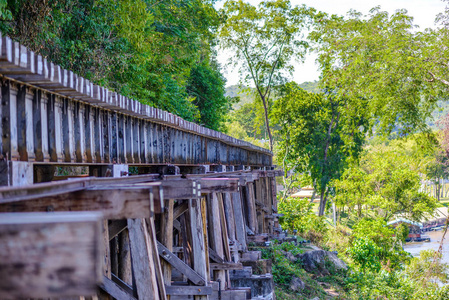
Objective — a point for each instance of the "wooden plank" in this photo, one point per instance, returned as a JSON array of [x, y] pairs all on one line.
[[178, 188], [180, 209], [186, 290], [156, 261], [114, 203], [124, 267], [116, 226], [30, 269], [41, 190], [48, 189], [142, 260], [240, 230], [198, 242], [206, 241], [226, 266], [230, 222], [222, 185], [215, 233], [180, 265], [126, 287], [214, 256], [224, 228], [167, 237], [250, 204], [114, 290]]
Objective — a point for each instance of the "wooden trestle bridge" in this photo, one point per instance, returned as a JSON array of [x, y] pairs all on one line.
[[178, 227]]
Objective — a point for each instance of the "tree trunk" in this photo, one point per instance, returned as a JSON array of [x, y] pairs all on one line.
[[322, 202], [267, 124]]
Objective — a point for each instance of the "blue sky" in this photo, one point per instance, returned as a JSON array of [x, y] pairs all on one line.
[[423, 11]]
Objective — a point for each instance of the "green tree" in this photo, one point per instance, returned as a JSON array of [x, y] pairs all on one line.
[[264, 40], [386, 59], [317, 135], [391, 184], [207, 85], [143, 49]]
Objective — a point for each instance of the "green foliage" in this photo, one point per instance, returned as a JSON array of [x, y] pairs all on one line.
[[365, 253], [264, 40], [386, 59], [149, 50], [284, 270], [207, 85], [386, 181], [375, 245], [297, 214], [318, 135]]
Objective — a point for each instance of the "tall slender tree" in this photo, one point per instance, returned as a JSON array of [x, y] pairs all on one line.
[[264, 40]]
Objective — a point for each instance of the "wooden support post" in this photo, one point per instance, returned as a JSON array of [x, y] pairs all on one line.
[[251, 207], [216, 233], [107, 252], [240, 230], [142, 260], [260, 214], [124, 268], [198, 245], [167, 237], [186, 236], [230, 223], [156, 260]]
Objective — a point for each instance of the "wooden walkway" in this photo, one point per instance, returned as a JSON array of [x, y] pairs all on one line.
[[178, 228]]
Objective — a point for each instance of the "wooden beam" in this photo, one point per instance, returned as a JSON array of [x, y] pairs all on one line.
[[226, 266], [167, 237], [180, 209], [177, 188], [215, 232], [187, 290], [40, 190], [142, 260], [156, 260], [37, 257], [113, 202], [180, 265], [240, 230], [114, 290], [48, 189], [222, 185], [214, 256], [116, 226], [198, 240]]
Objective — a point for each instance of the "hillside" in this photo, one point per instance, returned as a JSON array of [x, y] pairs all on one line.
[[246, 93]]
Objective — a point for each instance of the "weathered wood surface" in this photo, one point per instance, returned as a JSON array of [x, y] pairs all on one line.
[[216, 233], [114, 203], [115, 227], [142, 260], [222, 185], [185, 290], [114, 290], [226, 266], [182, 267], [240, 232], [37, 257], [167, 236], [199, 245], [67, 119]]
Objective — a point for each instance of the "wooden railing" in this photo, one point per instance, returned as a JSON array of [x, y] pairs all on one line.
[[51, 115]]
